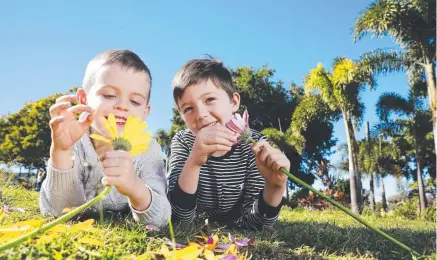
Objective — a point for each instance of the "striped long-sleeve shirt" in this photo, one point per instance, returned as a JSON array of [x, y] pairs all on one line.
[[230, 188]]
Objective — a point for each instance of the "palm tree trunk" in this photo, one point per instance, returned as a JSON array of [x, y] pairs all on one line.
[[358, 175], [422, 196], [353, 170], [384, 199], [430, 82], [372, 193]]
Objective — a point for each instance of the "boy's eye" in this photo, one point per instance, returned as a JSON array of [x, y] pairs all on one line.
[[210, 99], [188, 109], [135, 103], [108, 96]]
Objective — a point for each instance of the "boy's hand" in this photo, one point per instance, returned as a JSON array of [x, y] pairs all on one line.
[[269, 160], [209, 140], [66, 129], [119, 172]]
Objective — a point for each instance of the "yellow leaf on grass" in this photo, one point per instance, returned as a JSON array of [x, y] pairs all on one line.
[[31, 223], [91, 241], [2, 211], [45, 239], [188, 253], [232, 250], [59, 229], [66, 210], [164, 251], [84, 226], [208, 254], [56, 255]]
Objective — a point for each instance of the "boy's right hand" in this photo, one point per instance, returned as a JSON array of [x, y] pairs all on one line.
[[209, 140], [66, 129]]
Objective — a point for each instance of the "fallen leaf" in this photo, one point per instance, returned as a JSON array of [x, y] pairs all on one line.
[[91, 241]]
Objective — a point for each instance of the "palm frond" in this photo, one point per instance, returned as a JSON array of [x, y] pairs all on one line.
[[382, 61], [392, 103]]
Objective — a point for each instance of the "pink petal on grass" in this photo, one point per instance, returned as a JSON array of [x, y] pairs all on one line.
[[229, 257], [152, 228], [177, 245]]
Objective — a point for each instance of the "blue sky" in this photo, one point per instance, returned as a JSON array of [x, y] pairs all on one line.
[[46, 46]]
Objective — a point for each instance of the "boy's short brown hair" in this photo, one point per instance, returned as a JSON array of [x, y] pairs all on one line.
[[125, 58], [198, 70]]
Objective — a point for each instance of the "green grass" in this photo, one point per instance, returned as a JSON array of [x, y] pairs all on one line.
[[298, 234]]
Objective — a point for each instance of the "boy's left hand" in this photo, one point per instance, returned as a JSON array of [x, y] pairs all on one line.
[[119, 171], [269, 160]]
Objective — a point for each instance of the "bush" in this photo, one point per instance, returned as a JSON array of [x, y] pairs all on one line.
[[408, 210], [430, 214]]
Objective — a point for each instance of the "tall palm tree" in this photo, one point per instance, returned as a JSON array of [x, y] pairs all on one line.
[[378, 159], [164, 139], [340, 91], [412, 123], [412, 24]]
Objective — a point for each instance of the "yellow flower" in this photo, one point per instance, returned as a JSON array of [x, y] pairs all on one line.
[[133, 140]]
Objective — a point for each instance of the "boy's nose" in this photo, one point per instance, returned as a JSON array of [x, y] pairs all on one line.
[[121, 105]]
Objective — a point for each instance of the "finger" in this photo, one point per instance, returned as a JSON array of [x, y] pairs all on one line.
[[80, 108], [57, 108], [117, 154], [258, 146], [86, 122], [113, 172], [217, 147], [274, 158], [54, 122], [109, 180], [221, 132], [270, 160], [66, 98], [282, 163], [211, 140], [112, 162]]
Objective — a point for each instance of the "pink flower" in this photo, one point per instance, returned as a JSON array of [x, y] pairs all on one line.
[[240, 126]]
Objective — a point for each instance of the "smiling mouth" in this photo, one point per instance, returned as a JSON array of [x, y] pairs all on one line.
[[209, 125], [119, 120]]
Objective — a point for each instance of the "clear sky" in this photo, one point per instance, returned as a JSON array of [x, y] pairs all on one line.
[[46, 45]]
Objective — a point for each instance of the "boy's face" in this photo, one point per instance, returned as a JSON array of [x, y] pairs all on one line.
[[205, 104], [120, 91]]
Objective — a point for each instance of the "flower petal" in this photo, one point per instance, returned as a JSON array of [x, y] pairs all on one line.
[[111, 126], [100, 138]]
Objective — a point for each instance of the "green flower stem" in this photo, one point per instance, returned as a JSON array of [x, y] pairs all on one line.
[[173, 240], [55, 222], [344, 209], [347, 211]]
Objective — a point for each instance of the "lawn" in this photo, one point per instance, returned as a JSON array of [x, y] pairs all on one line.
[[299, 234]]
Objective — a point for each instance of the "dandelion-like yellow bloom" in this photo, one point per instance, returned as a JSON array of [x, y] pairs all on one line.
[[133, 139]]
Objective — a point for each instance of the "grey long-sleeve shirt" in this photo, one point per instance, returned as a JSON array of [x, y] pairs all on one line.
[[72, 188]]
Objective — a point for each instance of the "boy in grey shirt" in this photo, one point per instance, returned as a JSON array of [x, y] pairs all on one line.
[[116, 82]]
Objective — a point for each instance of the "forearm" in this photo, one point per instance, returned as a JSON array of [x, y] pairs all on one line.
[[189, 177], [61, 189], [141, 196], [61, 159], [273, 194]]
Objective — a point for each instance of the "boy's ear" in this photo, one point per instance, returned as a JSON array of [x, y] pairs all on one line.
[[235, 102], [81, 96], [146, 111]]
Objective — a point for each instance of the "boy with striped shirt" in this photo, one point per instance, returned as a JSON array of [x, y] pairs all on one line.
[[236, 184]]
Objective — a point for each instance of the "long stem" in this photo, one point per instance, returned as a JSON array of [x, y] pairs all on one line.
[[344, 209], [347, 211], [55, 222]]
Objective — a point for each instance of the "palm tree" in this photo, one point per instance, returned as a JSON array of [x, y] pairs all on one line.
[[412, 24], [164, 139], [412, 124], [379, 159], [340, 91]]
